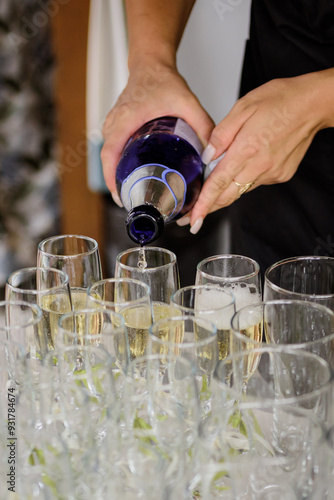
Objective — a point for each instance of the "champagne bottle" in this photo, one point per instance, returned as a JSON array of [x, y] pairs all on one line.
[[159, 176]]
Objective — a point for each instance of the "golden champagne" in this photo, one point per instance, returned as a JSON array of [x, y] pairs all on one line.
[[137, 322], [53, 307], [79, 298]]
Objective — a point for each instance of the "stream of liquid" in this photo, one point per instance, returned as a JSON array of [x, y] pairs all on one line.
[[142, 262]]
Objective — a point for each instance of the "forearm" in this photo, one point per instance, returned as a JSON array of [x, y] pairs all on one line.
[[155, 28]]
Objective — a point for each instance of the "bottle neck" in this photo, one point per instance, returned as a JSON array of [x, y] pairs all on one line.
[[144, 224]]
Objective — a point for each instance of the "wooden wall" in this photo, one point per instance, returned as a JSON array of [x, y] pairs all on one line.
[[81, 209]]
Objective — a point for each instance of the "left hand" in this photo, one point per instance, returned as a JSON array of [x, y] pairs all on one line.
[[265, 136]]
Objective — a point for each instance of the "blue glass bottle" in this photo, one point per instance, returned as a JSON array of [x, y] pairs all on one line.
[[159, 176]]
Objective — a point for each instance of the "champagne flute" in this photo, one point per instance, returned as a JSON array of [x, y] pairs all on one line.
[[131, 299], [98, 327], [297, 323], [78, 256], [49, 289], [12, 357], [93, 373], [193, 338], [164, 413], [301, 278], [248, 451], [282, 375], [158, 268], [237, 273], [207, 301]]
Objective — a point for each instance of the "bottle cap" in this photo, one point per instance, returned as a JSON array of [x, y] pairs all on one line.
[[144, 224]]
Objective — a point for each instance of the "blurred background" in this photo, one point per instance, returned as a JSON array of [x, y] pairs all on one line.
[[44, 146]]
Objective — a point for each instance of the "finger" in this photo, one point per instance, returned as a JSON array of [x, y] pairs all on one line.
[[119, 125], [230, 195], [185, 220], [225, 132], [217, 183]]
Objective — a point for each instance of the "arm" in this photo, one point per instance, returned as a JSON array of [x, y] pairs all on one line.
[[155, 29], [155, 88], [265, 136]]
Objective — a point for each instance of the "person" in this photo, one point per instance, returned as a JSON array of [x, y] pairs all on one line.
[[276, 172]]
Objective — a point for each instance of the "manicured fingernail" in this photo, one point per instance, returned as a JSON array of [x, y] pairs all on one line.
[[183, 221], [196, 226], [116, 199], [208, 153]]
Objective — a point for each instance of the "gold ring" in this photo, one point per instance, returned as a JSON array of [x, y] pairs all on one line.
[[243, 188]]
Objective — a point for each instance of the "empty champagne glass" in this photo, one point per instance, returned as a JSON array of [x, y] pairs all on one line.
[[49, 289], [158, 268], [98, 327], [211, 302], [239, 274], [132, 299], [21, 349], [88, 367], [193, 338], [279, 375], [259, 452], [11, 356], [78, 256], [297, 323], [301, 278], [163, 413]]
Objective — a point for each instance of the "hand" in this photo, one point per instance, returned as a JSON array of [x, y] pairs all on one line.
[[264, 137], [152, 91]]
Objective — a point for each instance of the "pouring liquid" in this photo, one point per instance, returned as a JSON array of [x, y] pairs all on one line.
[[142, 262]]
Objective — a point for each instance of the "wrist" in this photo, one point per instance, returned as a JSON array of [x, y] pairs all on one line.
[[321, 97], [142, 59]]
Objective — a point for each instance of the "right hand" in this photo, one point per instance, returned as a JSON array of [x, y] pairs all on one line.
[[153, 90]]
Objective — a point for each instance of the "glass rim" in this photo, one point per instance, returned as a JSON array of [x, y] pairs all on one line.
[[133, 250], [183, 345], [248, 401], [263, 304], [36, 318], [59, 237], [206, 286], [231, 256], [106, 303], [33, 269], [86, 311], [300, 258]]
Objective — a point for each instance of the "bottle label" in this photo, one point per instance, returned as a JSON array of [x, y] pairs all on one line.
[[165, 186], [182, 129]]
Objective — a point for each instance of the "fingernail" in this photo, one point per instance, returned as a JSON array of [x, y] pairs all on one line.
[[208, 153], [196, 226], [183, 221], [117, 200]]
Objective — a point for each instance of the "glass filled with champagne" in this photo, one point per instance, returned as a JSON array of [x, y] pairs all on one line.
[[211, 302], [236, 273], [49, 289], [132, 300], [78, 256], [158, 268]]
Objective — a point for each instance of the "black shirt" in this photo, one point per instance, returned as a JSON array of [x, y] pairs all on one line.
[[289, 38]]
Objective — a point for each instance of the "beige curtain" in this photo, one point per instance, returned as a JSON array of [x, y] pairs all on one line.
[[107, 74]]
